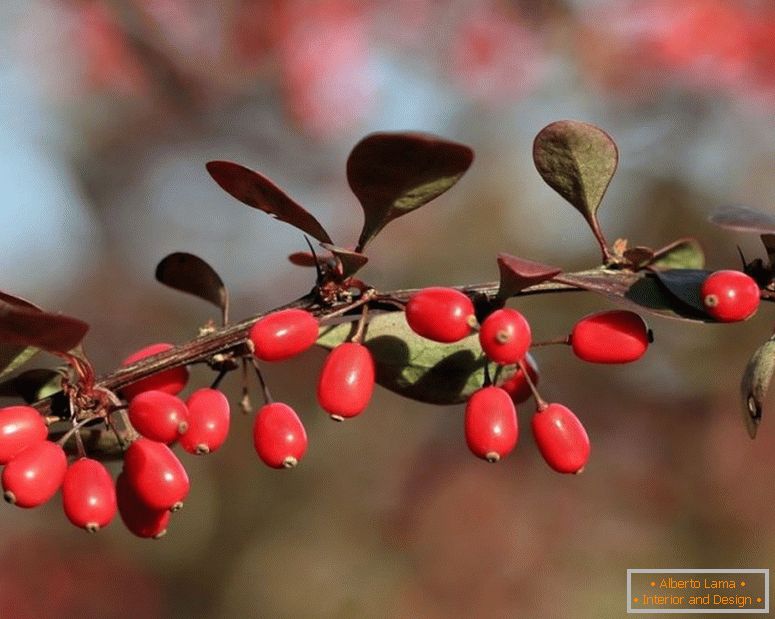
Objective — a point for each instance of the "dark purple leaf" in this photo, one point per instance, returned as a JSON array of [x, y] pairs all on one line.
[[637, 291], [22, 326], [189, 273], [577, 160], [302, 259], [755, 383], [519, 273], [393, 174], [638, 256], [255, 190], [13, 357], [14, 300], [743, 219], [351, 261], [685, 285], [768, 240]]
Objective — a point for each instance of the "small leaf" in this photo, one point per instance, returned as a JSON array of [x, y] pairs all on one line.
[[302, 259], [255, 190], [638, 257], [577, 160], [13, 357], [415, 367], [189, 273], [637, 291], [22, 326], [518, 273], [32, 385], [768, 240], [754, 385], [685, 285], [743, 219], [351, 261], [681, 254], [393, 174]]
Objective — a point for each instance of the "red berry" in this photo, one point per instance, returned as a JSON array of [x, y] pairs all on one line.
[[516, 386], [20, 427], [346, 380], [156, 474], [159, 416], [729, 296], [440, 314], [140, 519], [615, 336], [170, 381], [208, 421], [88, 495], [561, 438], [284, 334], [279, 436], [35, 475], [505, 336], [491, 424]]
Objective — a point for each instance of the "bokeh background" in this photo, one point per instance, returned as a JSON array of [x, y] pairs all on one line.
[[109, 110]]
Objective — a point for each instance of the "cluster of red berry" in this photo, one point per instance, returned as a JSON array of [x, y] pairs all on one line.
[[491, 427], [153, 482]]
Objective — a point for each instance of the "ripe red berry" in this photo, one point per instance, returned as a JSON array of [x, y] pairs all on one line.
[[88, 495], [140, 519], [346, 380], [517, 386], [158, 415], [491, 424], [35, 475], [283, 334], [156, 474], [561, 439], [729, 296], [279, 436], [208, 421], [440, 314], [616, 336], [505, 336], [20, 427], [170, 381]]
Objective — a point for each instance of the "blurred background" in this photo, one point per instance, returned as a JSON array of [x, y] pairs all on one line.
[[109, 110]]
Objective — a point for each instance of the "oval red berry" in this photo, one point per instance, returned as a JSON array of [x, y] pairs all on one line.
[[491, 424], [156, 474], [517, 386], [346, 381], [505, 336], [561, 439], [283, 334], [208, 422], [158, 415], [440, 314], [140, 519], [730, 296], [88, 495], [20, 427], [35, 475], [616, 336], [170, 381], [279, 436]]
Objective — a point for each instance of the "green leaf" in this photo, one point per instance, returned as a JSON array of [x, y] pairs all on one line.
[[415, 367], [577, 160], [681, 254], [393, 174], [754, 385]]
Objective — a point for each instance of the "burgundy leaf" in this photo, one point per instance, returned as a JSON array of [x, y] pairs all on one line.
[[189, 273], [743, 219], [23, 326], [255, 190], [519, 273], [351, 261], [302, 259], [14, 300], [393, 174], [12, 356]]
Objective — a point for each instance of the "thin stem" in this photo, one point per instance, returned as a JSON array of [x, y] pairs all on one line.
[[264, 389], [560, 340], [540, 402], [244, 402], [361, 326], [219, 378]]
